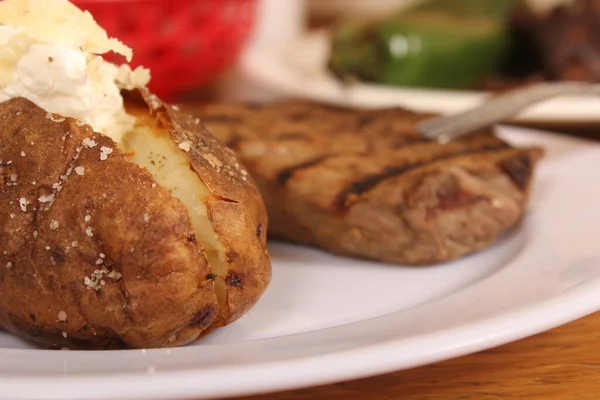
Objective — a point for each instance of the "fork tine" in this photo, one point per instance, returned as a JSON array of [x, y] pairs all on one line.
[[498, 109]]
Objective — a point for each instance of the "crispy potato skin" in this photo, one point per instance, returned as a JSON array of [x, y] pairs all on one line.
[[113, 216], [237, 211]]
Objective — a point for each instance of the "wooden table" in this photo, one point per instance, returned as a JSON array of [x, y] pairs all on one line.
[[563, 363]]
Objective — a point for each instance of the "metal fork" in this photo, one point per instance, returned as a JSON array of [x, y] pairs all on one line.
[[498, 109]]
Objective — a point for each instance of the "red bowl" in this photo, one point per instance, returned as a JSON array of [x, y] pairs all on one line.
[[185, 43]]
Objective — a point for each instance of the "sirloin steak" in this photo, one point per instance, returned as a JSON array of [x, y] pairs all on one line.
[[362, 183]]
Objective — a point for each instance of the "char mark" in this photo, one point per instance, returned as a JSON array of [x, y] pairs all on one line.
[[364, 185], [286, 174], [519, 169]]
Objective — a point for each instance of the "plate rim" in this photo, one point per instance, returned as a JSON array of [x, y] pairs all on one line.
[[268, 66], [361, 361], [350, 366]]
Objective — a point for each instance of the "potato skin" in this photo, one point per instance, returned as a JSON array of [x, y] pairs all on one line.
[[237, 211], [114, 216]]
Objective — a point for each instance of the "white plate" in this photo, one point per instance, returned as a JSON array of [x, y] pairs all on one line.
[[299, 69], [327, 319]]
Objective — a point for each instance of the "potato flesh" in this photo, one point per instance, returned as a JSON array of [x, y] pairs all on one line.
[[155, 150]]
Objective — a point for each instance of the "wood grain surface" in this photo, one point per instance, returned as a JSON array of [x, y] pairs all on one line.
[[563, 363]]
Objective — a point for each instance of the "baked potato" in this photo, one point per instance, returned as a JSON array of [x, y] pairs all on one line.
[[150, 242]]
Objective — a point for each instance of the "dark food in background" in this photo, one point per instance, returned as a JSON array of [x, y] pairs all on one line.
[[363, 183], [562, 45]]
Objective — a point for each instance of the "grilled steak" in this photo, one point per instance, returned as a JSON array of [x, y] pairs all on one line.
[[362, 183]]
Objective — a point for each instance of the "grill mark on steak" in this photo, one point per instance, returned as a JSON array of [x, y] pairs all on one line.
[[363, 185], [519, 169], [286, 174]]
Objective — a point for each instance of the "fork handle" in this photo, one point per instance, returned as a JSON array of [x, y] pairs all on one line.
[[498, 109]]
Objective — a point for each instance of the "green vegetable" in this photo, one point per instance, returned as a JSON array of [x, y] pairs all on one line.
[[444, 43]]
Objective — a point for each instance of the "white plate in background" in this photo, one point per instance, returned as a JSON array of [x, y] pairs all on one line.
[[298, 69], [327, 318]]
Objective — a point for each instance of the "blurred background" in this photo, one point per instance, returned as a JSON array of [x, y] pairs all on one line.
[[193, 46], [197, 49], [190, 45]]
